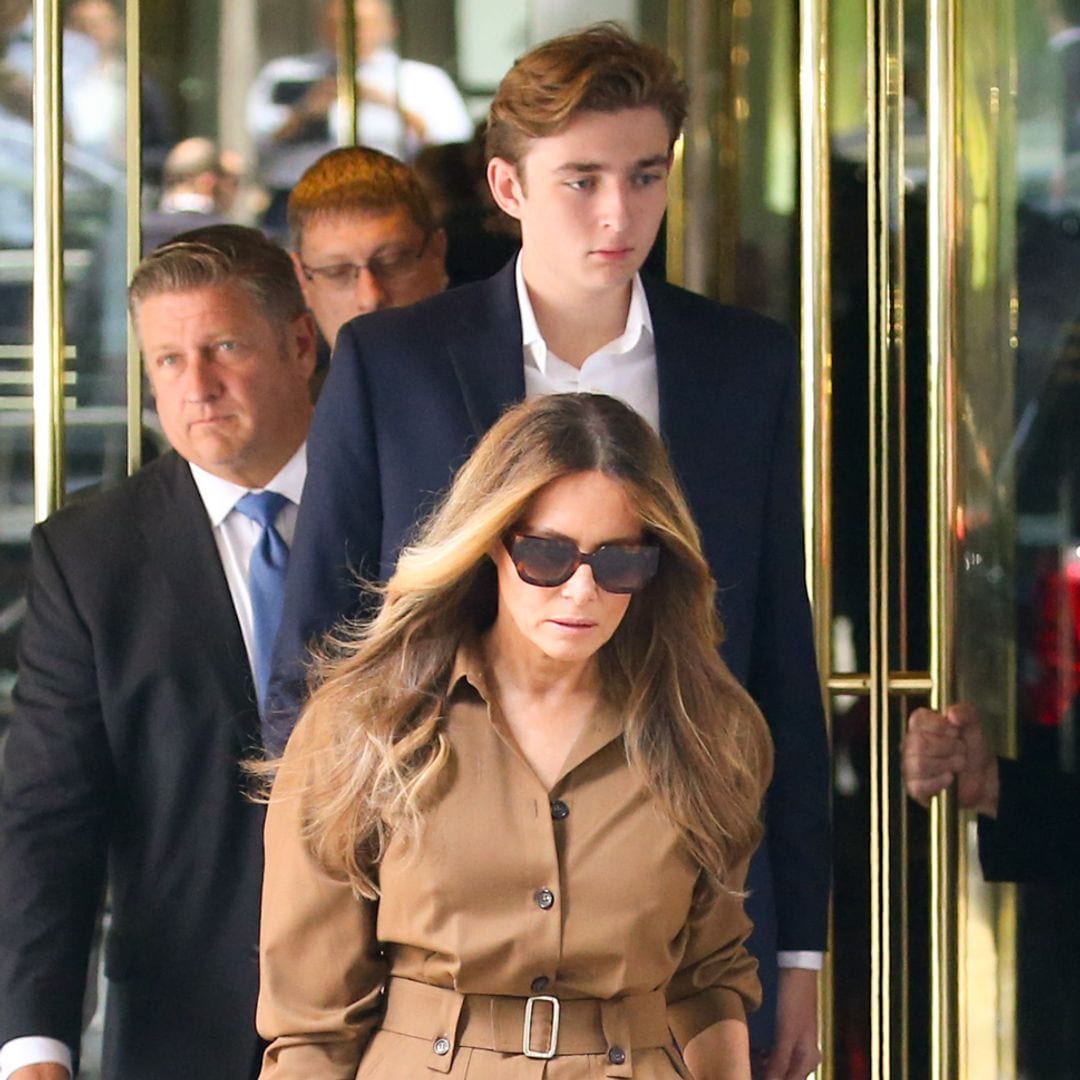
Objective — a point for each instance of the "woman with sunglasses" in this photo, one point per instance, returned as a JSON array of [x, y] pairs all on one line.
[[508, 837]]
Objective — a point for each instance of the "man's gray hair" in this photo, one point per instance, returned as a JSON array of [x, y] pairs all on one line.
[[222, 255]]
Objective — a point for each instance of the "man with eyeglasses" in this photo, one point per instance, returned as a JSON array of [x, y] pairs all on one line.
[[363, 237]]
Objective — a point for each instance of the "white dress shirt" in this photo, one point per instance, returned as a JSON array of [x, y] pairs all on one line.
[[626, 369], [235, 536]]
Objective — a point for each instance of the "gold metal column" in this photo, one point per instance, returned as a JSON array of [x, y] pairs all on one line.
[[133, 163], [972, 300], [348, 99], [48, 315], [815, 342], [886, 359], [676, 203], [946, 1057]]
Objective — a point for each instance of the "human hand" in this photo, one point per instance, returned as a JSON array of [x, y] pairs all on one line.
[[941, 749], [46, 1070], [796, 1053], [720, 1052], [315, 103]]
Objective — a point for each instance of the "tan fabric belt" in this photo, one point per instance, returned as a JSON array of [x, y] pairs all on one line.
[[541, 1026]]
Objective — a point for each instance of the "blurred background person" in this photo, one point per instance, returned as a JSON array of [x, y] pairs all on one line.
[[193, 183], [97, 108], [403, 104]]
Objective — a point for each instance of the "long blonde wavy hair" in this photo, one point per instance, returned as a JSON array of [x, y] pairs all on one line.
[[373, 731]]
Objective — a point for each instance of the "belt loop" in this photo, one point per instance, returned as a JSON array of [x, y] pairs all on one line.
[[616, 1025], [444, 1024]]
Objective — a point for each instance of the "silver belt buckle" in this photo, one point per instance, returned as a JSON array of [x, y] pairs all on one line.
[[526, 1031]]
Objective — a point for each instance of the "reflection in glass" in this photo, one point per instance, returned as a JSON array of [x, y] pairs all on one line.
[[295, 116], [1046, 452], [95, 320]]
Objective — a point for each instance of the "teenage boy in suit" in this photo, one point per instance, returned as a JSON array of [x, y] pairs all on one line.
[[580, 143]]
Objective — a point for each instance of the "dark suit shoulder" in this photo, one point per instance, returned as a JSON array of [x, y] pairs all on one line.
[[477, 303], [673, 301], [704, 347], [97, 522]]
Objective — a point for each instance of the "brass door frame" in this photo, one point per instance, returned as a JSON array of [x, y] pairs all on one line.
[[133, 161], [815, 348], [945, 848], [48, 271], [951, 72]]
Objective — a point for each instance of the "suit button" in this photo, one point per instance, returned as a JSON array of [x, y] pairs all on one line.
[[545, 899], [616, 1056], [441, 1046], [539, 984], [559, 810]]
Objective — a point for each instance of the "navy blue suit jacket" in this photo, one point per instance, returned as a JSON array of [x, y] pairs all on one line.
[[133, 710], [1036, 835], [409, 393]]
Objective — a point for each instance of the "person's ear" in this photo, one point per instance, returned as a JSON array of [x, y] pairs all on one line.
[[505, 186], [437, 245], [304, 339]]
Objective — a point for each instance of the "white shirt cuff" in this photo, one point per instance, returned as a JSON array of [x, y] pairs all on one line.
[[810, 960], [32, 1050]]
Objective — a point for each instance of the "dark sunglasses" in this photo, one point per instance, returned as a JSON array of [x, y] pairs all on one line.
[[548, 561]]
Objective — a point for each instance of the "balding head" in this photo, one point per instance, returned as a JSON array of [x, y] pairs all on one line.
[[191, 159]]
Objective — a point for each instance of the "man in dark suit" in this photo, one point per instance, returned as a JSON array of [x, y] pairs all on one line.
[[1029, 816], [135, 703], [580, 143]]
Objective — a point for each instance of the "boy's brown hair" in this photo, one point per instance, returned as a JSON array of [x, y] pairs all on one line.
[[599, 69]]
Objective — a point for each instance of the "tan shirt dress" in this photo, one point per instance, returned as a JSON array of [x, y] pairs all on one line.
[[583, 891]]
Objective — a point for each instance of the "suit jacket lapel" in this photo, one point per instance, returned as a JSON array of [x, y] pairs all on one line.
[[179, 538], [679, 382], [486, 350]]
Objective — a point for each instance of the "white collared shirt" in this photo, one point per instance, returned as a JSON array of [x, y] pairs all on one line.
[[625, 368], [235, 536], [186, 202]]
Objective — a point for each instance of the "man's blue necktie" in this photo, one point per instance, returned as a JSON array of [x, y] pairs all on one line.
[[266, 581]]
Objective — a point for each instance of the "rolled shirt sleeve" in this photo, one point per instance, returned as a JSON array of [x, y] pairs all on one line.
[[717, 979]]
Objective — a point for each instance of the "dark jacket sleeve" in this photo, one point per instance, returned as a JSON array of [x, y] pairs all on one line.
[[783, 679], [338, 532], [1036, 835], [56, 799]]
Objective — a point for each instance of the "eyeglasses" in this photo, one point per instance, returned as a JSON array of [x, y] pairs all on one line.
[[394, 264], [548, 561]]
